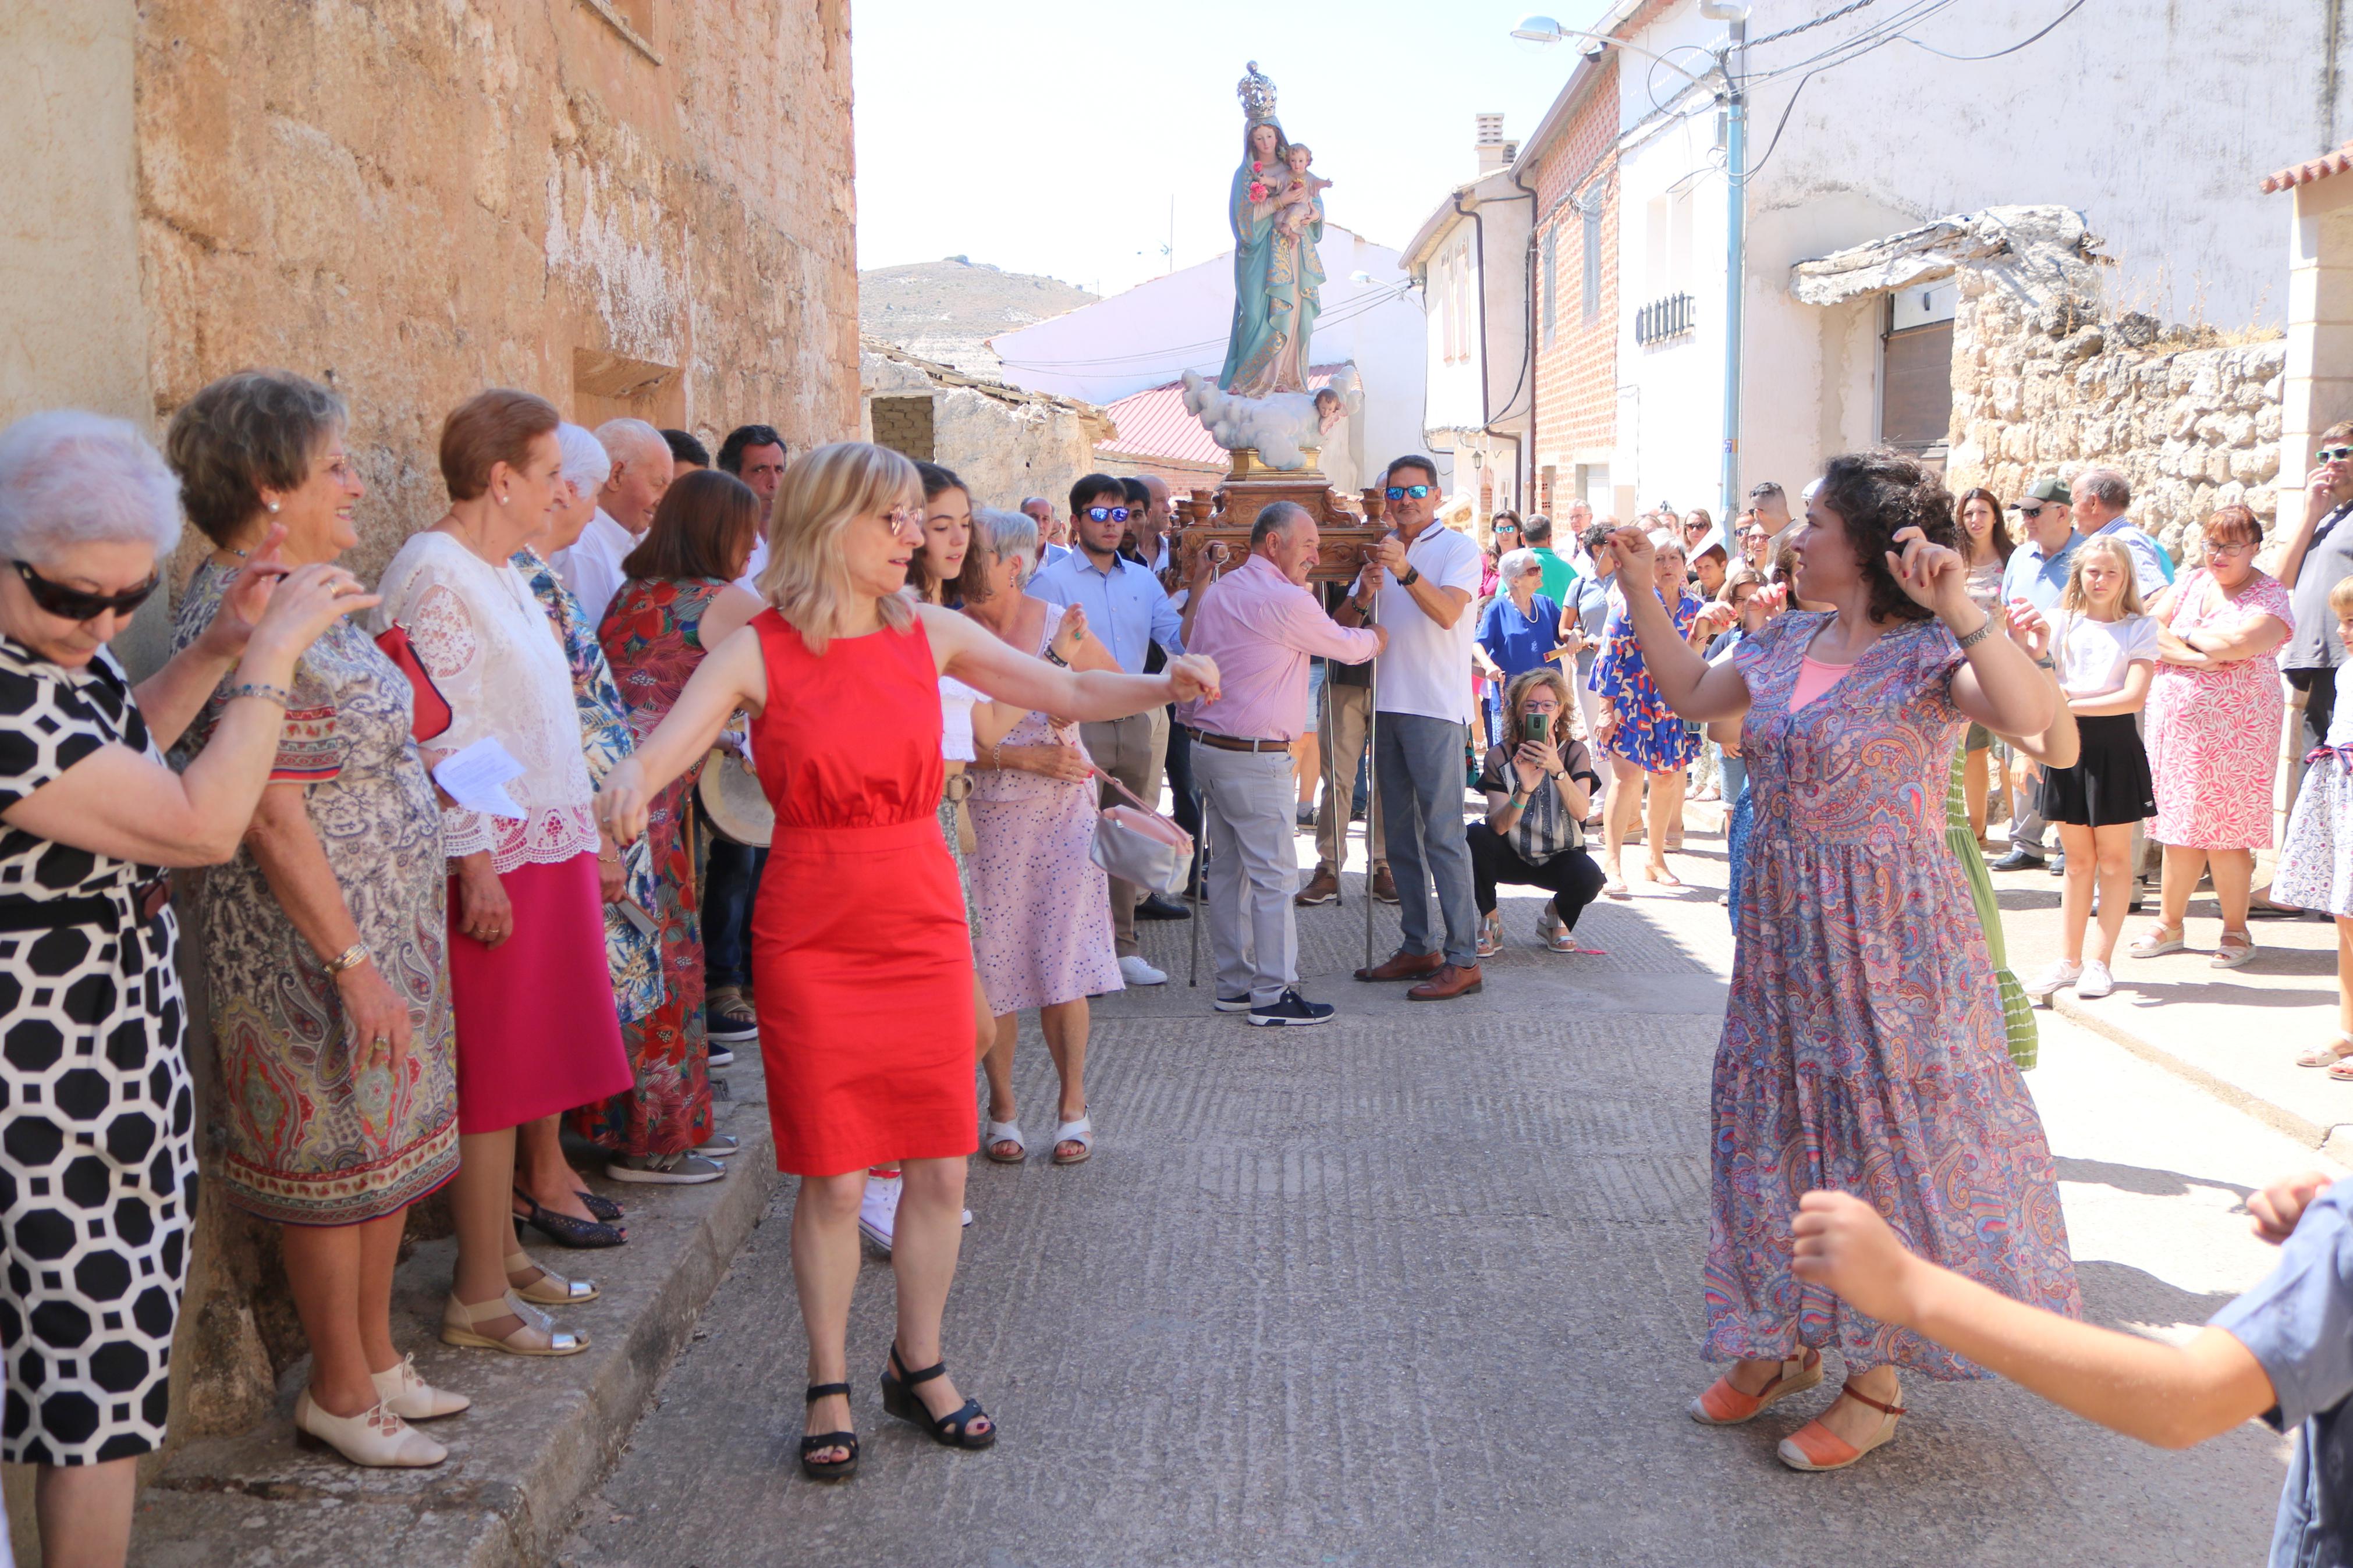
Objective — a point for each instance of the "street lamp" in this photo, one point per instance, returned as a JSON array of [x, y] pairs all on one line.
[[1731, 64]]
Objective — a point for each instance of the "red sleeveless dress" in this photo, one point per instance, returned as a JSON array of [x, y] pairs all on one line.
[[862, 963]]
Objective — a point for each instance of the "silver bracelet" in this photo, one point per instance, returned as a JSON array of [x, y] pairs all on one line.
[[1985, 630], [262, 689]]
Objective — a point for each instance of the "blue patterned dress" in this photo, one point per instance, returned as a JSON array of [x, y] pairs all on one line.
[[631, 953], [1648, 732], [1864, 1044]]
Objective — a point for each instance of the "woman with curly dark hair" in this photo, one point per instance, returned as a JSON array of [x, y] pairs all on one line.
[[1864, 1043]]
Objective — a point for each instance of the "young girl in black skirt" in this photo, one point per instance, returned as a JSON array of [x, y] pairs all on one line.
[[2105, 651]]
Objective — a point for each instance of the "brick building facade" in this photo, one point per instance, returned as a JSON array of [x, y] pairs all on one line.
[[1574, 303]]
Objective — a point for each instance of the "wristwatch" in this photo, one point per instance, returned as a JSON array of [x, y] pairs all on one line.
[[1412, 575]]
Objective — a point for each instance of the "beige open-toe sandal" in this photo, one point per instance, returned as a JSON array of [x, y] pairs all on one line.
[[2328, 1055], [537, 1336]]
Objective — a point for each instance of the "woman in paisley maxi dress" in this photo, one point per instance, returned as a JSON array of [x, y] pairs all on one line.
[[1864, 1044], [677, 601], [325, 953]]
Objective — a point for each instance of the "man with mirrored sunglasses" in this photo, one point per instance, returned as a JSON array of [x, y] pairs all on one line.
[[1128, 610], [2037, 573], [1418, 584]]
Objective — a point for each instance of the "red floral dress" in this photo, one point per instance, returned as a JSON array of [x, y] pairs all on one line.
[[653, 639]]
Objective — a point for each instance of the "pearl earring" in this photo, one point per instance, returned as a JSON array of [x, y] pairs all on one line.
[[273, 508], [502, 500]]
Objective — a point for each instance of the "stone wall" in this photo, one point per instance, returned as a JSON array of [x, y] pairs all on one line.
[[1003, 442], [2037, 391], [2047, 381]]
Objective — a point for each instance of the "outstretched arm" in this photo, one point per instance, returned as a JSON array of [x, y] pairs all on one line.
[[979, 659], [731, 676], [1694, 687], [2172, 1395]]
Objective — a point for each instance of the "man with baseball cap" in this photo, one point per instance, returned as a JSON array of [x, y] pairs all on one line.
[[2037, 572]]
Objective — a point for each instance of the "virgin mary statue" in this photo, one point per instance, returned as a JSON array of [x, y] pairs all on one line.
[[1276, 274]]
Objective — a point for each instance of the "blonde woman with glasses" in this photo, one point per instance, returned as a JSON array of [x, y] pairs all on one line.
[[864, 969]]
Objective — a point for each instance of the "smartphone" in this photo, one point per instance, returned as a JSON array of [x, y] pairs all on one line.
[[1537, 724]]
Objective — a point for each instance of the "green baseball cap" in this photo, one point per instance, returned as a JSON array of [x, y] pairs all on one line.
[[2050, 490]]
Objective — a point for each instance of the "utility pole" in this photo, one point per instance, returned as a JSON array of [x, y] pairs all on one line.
[[1736, 223]]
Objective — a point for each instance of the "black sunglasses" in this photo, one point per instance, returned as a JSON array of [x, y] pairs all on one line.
[[2035, 509], [1110, 513], [2336, 454], [75, 605], [1399, 492]]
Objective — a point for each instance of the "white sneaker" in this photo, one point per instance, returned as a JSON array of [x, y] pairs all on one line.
[[2096, 980], [2062, 974], [877, 1210], [1136, 972]]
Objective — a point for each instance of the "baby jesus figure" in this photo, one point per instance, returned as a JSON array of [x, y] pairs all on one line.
[[1297, 198]]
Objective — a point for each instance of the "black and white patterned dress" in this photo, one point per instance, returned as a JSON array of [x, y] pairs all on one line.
[[97, 1154]]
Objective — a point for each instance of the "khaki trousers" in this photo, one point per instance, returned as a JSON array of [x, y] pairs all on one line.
[[1344, 748], [1132, 750]]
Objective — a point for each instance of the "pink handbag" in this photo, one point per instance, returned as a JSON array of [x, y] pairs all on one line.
[[1135, 843]]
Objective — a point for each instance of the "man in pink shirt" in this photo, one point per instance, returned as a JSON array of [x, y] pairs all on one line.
[[1263, 626]]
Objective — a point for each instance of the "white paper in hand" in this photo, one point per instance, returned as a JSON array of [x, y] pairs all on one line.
[[476, 778]]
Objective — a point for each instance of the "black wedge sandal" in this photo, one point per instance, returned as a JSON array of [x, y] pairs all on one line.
[[811, 1442], [952, 1430]]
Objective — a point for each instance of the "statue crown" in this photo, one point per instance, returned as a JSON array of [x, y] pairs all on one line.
[[1257, 94]]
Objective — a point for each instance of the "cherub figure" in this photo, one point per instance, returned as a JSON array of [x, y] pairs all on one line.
[[1300, 200]]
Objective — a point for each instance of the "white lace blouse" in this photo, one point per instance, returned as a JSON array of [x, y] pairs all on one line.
[[956, 701], [494, 654]]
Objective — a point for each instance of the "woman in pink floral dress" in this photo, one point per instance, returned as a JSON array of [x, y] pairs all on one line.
[[677, 603], [1863, 1047], [2213, 730]]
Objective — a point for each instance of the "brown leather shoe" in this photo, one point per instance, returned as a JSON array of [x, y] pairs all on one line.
[[1448, 983], [1324, 888], [1403, 965], [1384, 886]]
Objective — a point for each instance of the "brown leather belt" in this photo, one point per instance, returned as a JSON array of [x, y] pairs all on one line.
[[1235, 742]]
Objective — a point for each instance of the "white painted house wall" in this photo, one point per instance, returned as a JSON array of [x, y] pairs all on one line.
[[2152, 118], [1155, 332]]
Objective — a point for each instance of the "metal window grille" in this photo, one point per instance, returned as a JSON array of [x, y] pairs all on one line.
[[1663, 319]]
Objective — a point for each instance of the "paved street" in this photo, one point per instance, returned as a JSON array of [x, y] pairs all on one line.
[[1419, 1286]]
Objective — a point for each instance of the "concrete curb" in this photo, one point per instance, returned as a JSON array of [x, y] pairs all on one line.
[[2335, 1142], [542, 1432]]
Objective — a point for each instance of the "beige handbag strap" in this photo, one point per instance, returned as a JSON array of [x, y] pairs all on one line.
[[1122, 789]]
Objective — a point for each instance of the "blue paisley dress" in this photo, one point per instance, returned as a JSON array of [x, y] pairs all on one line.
[[1864, 1043], [1648, 732], [633, 954]]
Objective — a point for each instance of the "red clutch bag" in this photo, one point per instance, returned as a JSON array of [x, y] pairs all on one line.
[[433, 715]]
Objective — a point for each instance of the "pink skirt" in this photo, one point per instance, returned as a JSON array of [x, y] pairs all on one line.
[[537, 1029]]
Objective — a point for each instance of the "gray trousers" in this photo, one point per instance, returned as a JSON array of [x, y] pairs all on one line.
[[2026, 825], [1418, 762], [1251, 869], [1132, 750]]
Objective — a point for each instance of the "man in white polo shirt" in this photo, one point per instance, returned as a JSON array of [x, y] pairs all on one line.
[[1419, 588]]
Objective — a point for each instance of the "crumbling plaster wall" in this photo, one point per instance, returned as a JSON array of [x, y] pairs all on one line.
[[413, 199], [2044, 382], [1005, 444]]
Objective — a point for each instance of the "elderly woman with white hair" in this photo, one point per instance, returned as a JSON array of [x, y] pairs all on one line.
[[1638, 732], [97, 1128], [324, 957], [549, 1194], [1519, 630], [864, 966]]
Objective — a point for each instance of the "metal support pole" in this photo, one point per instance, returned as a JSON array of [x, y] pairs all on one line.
[[1372, 788], [1735, 180], [1200, 904]]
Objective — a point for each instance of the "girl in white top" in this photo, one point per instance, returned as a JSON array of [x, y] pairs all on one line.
[[2105, 651]]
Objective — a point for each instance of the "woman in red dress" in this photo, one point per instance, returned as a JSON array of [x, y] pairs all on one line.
[[863, 967]]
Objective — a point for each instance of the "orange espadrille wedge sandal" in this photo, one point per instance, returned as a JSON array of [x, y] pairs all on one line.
[[1725, 1405]]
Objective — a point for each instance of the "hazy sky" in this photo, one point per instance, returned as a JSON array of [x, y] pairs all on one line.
[[1051, 135]]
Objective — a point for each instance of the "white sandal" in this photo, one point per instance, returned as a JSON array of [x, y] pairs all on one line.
[[1082, 1133], [2235, 949], [2155, 941], [1004, 1132]]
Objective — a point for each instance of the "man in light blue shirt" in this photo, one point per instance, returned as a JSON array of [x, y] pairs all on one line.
[[1127, 609], [2037, 573], [2102, 498]]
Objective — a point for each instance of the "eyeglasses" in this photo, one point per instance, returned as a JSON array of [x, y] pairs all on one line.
[[1399, 492], [76, 604], [2238, 547], [2336, 454], [2031, 512], [1110, 513]]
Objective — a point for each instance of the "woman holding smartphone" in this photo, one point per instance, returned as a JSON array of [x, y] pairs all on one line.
[[1539, 783]]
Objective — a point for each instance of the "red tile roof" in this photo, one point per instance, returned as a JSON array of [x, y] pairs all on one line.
[[2319, 168], [1154, 423]]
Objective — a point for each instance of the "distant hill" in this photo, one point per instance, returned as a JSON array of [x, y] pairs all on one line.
[[947, 309]]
